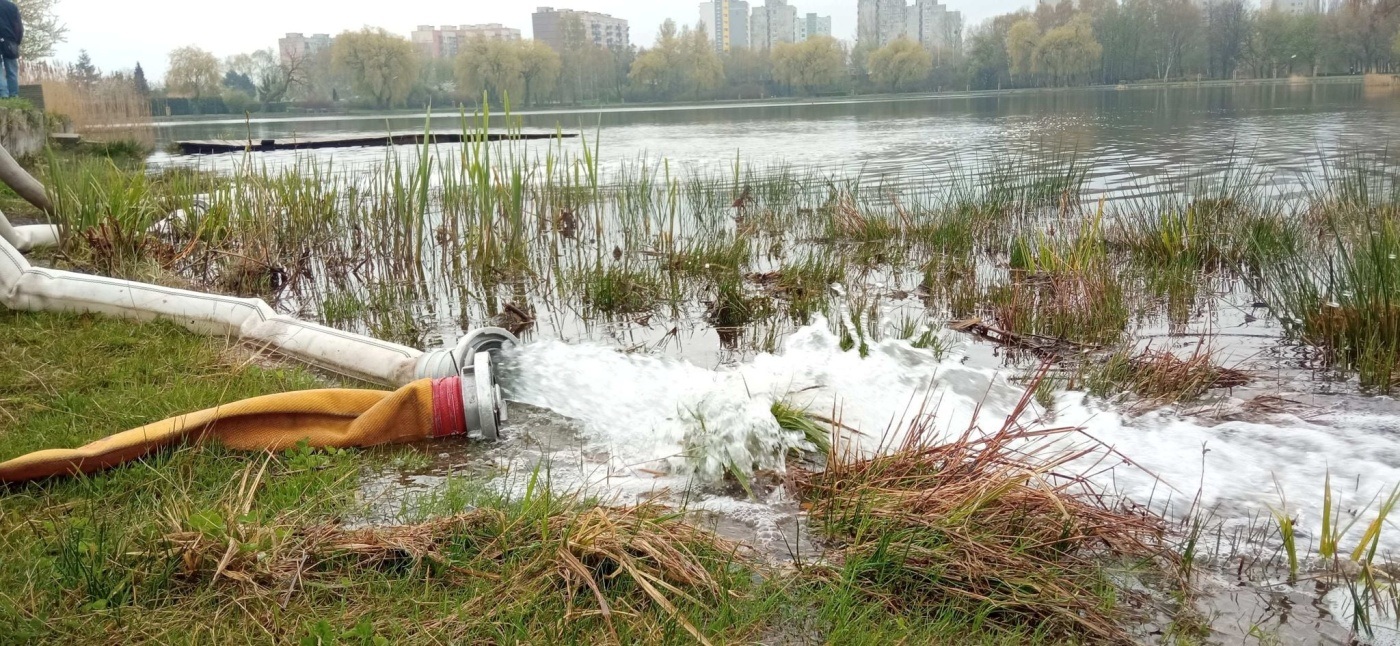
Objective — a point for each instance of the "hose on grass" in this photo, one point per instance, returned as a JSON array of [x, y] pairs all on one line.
[[338, 418]]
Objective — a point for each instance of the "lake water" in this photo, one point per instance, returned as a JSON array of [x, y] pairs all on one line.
[[1131, 140]]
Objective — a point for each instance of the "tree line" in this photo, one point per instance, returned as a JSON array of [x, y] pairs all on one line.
[[1089, 42], [1105, 41]]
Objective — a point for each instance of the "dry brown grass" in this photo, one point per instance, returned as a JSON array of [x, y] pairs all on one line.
[[1160, 378], [1165, 375], [982, 527], [1085, 308], [1042, 347], [1382, 81], [109, 110], [623, 559]]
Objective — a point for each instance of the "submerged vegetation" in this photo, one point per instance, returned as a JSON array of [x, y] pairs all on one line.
[[543, 235]]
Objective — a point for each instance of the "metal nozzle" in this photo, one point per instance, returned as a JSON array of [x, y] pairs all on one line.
[[486, 339], [474, 361], [481, 398], [438, 364]]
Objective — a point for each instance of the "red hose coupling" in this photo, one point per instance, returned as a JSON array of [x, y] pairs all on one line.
[[449, 418]]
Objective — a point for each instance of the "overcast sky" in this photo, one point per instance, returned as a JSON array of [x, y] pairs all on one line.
[[118, 34]]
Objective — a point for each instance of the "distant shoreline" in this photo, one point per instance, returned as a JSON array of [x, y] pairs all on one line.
[[416, 114]]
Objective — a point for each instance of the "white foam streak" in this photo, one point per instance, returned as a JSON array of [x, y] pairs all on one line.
[[1250, 468]]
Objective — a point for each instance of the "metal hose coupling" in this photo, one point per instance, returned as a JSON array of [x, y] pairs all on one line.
[[450, 362], [466, 395]]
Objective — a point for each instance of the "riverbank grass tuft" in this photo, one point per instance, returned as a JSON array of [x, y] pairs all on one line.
[[979, 528], [936, 543]]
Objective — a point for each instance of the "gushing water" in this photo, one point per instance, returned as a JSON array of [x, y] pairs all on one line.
[[664, 414]]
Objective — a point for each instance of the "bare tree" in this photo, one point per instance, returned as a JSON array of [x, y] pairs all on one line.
[[1173, 24], [1227, 33], [273, 78], [42, 28]]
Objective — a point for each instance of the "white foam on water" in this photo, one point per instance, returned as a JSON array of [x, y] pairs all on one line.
[[1242, 468], [665, 414], [643, 409]]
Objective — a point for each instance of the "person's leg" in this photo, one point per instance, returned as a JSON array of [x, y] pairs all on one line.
[[12, 76]]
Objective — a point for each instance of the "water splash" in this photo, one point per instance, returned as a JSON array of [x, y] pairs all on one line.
[[643, 409], [665, 414]]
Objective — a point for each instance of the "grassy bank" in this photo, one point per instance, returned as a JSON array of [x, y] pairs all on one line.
[[199, 545]]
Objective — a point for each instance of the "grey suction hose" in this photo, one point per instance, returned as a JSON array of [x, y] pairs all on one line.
[[26, 237], [25, 287], [21, 182]]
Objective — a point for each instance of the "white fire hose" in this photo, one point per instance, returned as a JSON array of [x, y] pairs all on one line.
[[24, 287]]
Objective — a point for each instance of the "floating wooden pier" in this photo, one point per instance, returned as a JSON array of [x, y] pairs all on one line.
[[214, 146]]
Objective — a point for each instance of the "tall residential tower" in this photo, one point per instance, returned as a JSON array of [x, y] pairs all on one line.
[[812, 25], [774, 22], [599, 29], [1294, 6], [298, 46], [449, 40], [727, 22], [928, 22]]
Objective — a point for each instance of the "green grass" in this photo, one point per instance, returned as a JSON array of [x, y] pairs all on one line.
[[1348, 304], [1264, 242], [386, 251], [1089, 309], [16, 209], [791, 418], [16, 103], [105, 211], [619, 290], [710, 255], [118, 149], [1156, 378], [732, 305], [1193, 236], [199, 545], [67, 379], [544, 226], [805, 285], [1011, 242], [952, 232], [134, 552]]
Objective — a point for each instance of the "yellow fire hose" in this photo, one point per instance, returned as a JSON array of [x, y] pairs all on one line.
[[424, 409]]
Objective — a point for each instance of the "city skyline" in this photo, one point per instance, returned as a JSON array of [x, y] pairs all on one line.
[[929, 22], [446, 41], [727, 22], [105, 29], [548, 25], [739, 24]]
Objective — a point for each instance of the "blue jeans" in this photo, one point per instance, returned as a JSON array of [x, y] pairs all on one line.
[[11, 87]]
